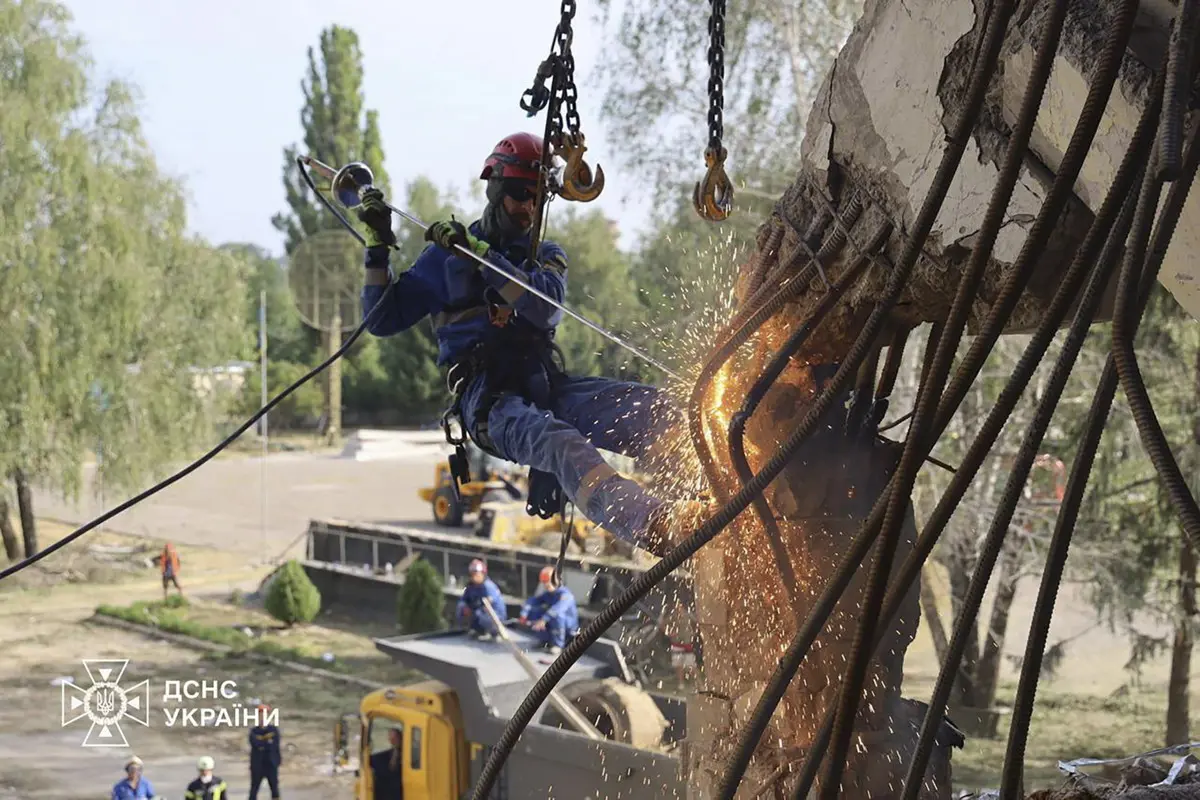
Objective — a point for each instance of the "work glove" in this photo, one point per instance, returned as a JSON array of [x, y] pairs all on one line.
[[375, 214], [447, 234]]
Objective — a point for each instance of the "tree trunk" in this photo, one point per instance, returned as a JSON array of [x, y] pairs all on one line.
[[25, 508], [960, 569], [1178, 694], [12, 546], [932, 617], [987, 670], [332, 340], [876, 135], [937, 631]]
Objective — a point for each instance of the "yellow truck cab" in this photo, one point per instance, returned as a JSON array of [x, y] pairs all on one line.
[[432, 749], [448, 724]]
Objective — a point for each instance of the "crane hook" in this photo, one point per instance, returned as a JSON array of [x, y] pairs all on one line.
[[579, 182], [713, 195]]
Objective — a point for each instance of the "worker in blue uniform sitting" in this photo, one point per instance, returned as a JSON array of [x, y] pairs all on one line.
[[470, 606], [551, 613]]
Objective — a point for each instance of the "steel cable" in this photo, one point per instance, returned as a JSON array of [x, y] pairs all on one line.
[[737, 426], [788, 291]]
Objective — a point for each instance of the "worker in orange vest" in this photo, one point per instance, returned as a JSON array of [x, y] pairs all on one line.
[[170, 569]]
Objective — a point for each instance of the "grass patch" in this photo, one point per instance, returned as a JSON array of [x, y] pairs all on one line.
[[174, 616], [1066, 727]]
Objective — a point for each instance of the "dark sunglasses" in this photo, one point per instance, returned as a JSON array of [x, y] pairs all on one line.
[[521, 191]]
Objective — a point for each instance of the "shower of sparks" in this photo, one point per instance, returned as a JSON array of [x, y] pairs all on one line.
[[757, 620], [683, 334]]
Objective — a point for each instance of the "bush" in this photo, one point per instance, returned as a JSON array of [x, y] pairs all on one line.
[[420, 602], [293, 597]]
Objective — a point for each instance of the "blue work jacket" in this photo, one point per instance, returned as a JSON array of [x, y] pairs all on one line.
[[455, 292], [472, 598], [123, 791], [557, 604]]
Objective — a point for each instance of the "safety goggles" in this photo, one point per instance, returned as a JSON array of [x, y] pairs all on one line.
[[519, 189]]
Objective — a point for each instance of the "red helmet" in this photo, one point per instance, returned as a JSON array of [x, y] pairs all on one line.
[[547, 575], [477, 566], [516, 156]]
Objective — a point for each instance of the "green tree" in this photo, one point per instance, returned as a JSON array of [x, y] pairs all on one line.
[[775, 56], [420, 603], [338, 129], [292, 597], [1147, 569], [111, 315], [297, 410], [600, 285], [287, 337], [407, 387]]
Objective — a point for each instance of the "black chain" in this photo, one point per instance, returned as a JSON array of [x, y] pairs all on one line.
[[559, 68], [716, 76]]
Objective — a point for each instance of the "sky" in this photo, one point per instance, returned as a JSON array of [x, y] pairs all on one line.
[[220, 92]]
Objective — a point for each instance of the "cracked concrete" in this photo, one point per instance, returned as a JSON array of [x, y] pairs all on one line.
[[894, 92], [878, 132]]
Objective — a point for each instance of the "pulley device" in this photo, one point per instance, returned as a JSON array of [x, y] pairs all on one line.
[[348, 184]]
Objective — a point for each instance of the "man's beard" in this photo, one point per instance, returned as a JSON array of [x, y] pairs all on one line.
[[523, 220], [499, 227]]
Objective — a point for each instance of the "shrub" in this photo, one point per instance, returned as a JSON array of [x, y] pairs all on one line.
[[293, 597], [420, 602]]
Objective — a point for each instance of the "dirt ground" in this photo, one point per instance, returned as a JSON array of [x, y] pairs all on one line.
[[221, 507], [46, 630]]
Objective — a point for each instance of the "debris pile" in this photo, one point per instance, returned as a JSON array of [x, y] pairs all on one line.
[[1170, 772]]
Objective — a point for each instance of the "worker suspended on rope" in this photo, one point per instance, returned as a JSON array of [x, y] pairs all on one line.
[[511, 392]]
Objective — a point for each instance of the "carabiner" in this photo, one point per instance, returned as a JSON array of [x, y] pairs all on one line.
[[713, 195], [579, 183]]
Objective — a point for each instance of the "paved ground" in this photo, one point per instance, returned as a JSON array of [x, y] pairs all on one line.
[[224, 503]]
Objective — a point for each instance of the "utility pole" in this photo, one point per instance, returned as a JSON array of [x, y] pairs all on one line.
[[262, 423]]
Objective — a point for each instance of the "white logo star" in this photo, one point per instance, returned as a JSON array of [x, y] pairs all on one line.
[[105, 703]]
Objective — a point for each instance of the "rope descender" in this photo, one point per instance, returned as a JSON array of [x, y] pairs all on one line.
[[578, 182], [713, 195]]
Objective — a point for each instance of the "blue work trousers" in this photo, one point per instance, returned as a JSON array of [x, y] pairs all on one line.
[[555, 633], [584, 413], [481, 622]]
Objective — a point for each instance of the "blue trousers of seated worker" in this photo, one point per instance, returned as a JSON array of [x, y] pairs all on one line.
[[583, 414], [481, 622], [555, 633]]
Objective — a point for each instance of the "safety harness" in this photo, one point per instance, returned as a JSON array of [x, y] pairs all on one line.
[[515, 359]]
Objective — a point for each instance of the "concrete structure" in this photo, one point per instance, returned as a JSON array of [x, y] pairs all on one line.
[[878, 131]]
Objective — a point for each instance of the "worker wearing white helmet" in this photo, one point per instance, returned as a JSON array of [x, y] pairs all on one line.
[[470, 607], [134, 786], [207, 785]]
